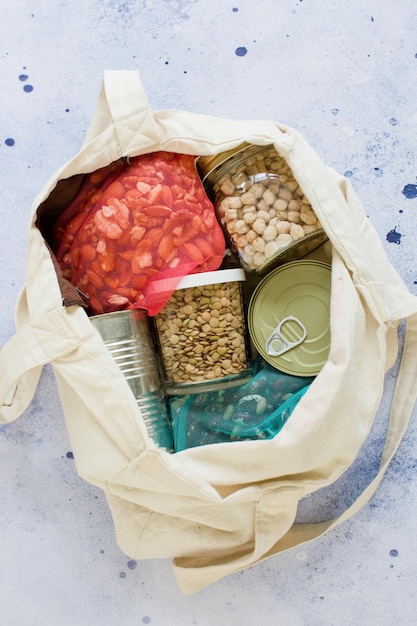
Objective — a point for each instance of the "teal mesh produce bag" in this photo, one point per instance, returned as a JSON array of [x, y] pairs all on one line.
[[256, 410]]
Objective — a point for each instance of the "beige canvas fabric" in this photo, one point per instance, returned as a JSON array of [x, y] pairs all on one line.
[[220, 508]]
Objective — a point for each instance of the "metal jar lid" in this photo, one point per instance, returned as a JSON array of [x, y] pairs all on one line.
[[206, 165]]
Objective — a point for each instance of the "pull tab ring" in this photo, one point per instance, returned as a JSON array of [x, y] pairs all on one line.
[[277, 344]]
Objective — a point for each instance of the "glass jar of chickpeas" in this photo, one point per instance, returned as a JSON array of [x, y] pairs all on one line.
[[264, 213]]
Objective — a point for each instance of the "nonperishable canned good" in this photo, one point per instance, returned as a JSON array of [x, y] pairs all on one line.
[[201, 334], [289, 317], [128, 338]]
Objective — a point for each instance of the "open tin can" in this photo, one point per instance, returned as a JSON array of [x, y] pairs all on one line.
[[128, 338]]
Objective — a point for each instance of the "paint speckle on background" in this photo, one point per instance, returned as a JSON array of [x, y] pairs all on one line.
[[132, 564], [23, 78], [69, 455], [394, 237], [146, 619], [241, 51], [393, 553], [410, 191], [9, 142], [122, 574]]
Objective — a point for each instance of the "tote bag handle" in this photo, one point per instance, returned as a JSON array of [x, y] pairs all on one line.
[[22, 358], [65, 337], [122, 106], [403, 401]]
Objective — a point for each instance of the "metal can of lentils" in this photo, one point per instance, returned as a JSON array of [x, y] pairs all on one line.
[[265, 215], [202, 335]]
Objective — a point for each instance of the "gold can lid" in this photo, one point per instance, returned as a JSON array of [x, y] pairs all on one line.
[[206, 164]]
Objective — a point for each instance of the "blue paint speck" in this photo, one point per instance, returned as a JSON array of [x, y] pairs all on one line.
[[394, 237], [23, 77], [122, 574], [410, 191], [241, 51], [378, 171], [235, 9], [146, 620], [132, 564], [69, 455], [393, 553], [348, 173], [393, 121], [28, 88], [9, 141]]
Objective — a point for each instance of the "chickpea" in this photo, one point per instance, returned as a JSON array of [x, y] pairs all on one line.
[[297, 231], [269, 197], [249, 217], [258, 244], [270, 233], [259, 226], [293, 216], [308, 217]]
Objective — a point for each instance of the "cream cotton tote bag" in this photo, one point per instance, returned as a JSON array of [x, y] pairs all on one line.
[[219, 508]]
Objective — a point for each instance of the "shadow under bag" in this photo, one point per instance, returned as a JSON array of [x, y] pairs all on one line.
[[214, 509]]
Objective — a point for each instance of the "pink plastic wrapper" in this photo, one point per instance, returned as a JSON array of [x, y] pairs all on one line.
[[135, 230]]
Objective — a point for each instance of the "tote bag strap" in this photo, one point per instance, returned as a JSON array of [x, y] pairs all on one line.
[[403, 401], [23, 357], [123, 106]]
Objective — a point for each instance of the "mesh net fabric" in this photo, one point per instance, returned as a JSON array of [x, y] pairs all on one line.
[[135, 230], [256, 410]]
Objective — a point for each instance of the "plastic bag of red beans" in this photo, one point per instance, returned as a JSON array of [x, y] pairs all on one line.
[[134, 230]]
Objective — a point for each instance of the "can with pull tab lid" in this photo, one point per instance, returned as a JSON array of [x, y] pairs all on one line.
[[289, 317]]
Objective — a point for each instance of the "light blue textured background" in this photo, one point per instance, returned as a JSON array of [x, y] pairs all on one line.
[[345, 75]]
